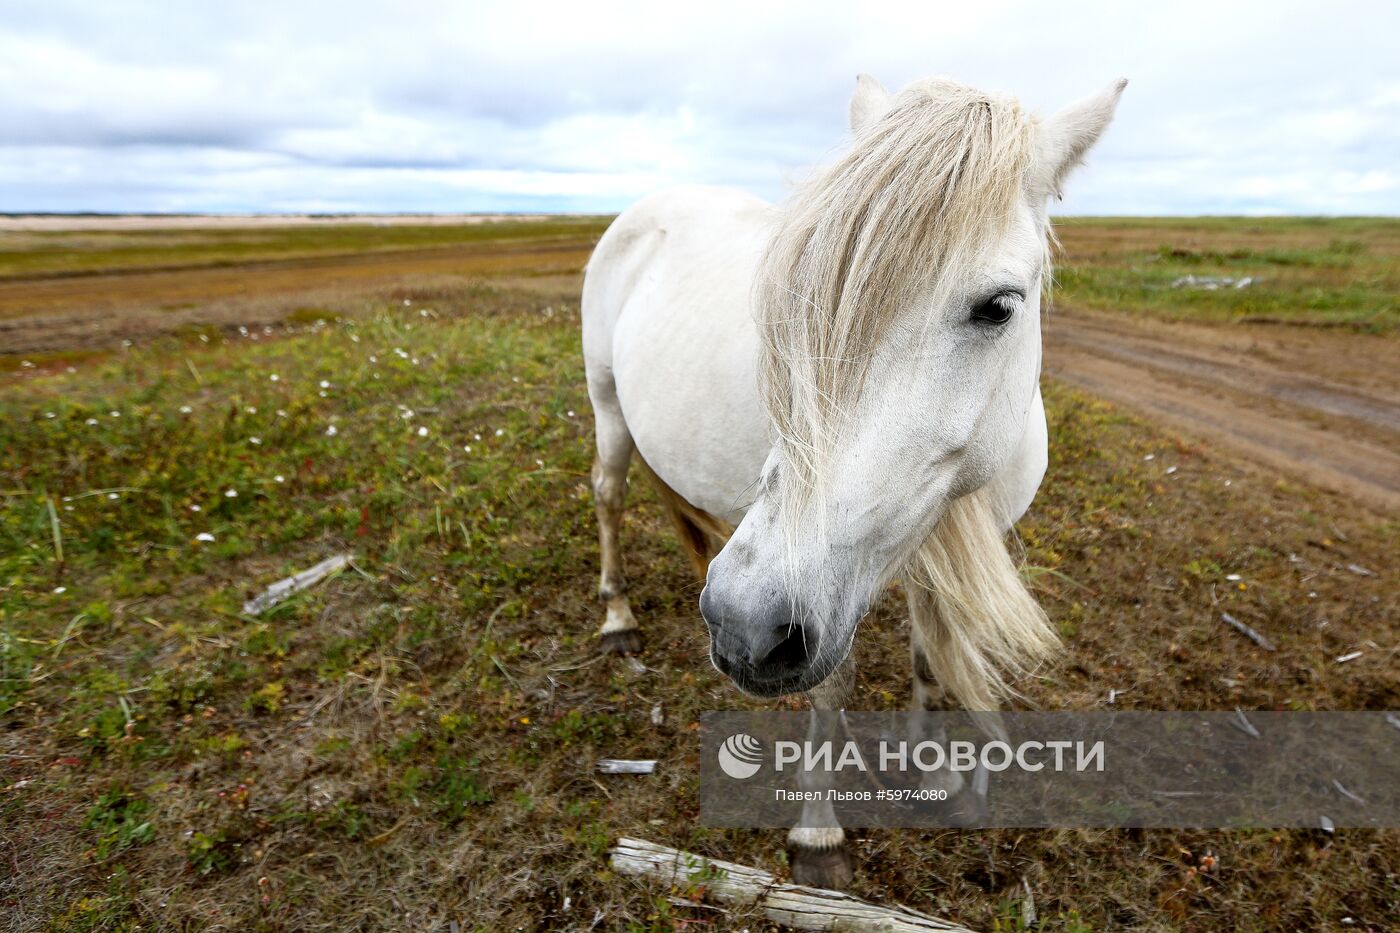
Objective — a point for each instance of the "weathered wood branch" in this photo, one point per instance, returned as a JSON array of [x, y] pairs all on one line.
[[292, 585], [793, 905]]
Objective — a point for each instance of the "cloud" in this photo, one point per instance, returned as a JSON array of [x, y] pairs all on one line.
[[353, 105]]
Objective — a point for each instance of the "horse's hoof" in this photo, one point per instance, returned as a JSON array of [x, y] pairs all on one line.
[[822, 868], [968, 809], [622, 641]]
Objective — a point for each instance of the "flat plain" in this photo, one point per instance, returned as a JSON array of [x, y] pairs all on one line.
[[189, 414]]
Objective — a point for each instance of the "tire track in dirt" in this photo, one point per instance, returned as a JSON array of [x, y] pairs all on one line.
[[1323, 407]]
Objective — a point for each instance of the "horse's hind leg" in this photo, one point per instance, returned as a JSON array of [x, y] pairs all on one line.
[[620, 633]]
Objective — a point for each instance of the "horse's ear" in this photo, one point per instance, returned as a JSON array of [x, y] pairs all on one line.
[[868, 103], [1067, 136]]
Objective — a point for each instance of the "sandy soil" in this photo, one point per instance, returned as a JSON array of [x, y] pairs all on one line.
[[1323, 406]]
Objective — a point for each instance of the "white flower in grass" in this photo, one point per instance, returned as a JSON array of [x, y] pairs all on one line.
[[195, 508], [251, 409], [279, 478], [255, 440], [185, 409], [113, 495], [204, 536], [115, 414], [422, 432], [500, 432], [324, 394], [476, 437], [274, 377], [49, 414], [281, 412], [571, 412], [91, 422], [331, 431], [230, 493], [325, 384], [468, 448], [59, 590]]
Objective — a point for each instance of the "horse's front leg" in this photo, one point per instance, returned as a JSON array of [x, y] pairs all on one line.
[[817, 849], [967, 800]]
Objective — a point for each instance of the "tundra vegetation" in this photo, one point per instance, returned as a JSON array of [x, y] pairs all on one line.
[[412, 742]]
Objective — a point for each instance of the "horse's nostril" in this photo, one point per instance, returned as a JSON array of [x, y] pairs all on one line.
[[791, 651]]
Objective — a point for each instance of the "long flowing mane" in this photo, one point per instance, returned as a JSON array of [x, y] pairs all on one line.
[[918, 197]]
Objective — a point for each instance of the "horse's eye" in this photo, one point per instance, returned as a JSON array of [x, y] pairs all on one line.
[[996, 310]]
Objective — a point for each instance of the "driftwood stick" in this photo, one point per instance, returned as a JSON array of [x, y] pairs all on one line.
[[280, 590], [793, 905], [1247, 631]]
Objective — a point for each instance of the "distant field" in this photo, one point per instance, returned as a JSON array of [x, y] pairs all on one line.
[[39, 254], [72, 293], [413, 742], [1339, 272]]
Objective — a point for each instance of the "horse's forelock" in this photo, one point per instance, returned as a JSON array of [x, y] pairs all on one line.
[[920, 195]]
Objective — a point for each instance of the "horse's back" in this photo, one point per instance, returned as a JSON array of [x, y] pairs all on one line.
[[675, 227]]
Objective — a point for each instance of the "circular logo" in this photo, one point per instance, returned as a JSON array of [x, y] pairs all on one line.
[[741, 756]]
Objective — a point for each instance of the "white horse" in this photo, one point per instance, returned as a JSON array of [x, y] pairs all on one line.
[[840, 391]]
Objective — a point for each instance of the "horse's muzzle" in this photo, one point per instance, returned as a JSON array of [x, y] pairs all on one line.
[[768, 651]]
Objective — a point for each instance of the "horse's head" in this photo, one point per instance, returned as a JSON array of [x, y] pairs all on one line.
[[899, 306]]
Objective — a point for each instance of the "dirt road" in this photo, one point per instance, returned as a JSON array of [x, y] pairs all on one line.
[[95, 312], [1321, 406]]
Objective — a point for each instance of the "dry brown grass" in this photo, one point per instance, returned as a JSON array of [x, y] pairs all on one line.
[[427, 757]]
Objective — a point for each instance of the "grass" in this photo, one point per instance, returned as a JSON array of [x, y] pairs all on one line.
[[1332, 272], [39, 254], [411, 743]]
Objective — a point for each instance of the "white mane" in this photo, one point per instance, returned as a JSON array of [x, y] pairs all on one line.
[[920, 195]]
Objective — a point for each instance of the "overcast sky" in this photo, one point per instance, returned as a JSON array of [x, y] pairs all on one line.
[[105, 105]]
